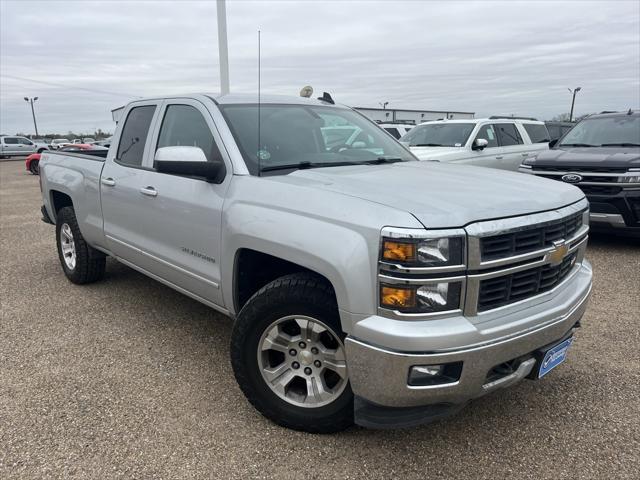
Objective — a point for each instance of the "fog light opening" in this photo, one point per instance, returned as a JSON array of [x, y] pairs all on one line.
[[430, 375]]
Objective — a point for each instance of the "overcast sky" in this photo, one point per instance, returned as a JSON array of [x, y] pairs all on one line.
[[499, 57]]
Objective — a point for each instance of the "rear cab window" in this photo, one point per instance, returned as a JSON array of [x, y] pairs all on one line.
[[134, 135], [538, 133]]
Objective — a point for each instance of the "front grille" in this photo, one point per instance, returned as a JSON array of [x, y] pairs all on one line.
[[585, 178], [530, 239], [543, 168], [500, 291], [599, 189]]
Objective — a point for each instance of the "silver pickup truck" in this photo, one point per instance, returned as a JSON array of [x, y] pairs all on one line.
[[365, 285]]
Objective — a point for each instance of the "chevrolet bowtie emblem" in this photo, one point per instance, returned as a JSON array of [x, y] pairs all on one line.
[[560, 250]]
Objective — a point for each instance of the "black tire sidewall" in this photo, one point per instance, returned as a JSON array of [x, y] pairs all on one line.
[[251, 324], [34, 167]]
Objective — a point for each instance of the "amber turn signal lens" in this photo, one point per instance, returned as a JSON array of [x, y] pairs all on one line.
[[402, 251], [397, 297]]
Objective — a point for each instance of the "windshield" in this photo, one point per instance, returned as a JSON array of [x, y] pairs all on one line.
[[308, 136], [439, 135], [623, 130]]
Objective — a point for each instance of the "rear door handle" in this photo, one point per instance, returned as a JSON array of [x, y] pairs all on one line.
[[499, 158], [109, 182], [524, 154], [149, 191]]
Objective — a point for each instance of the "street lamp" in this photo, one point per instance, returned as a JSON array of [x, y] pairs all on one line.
[[383, 105], [573, 101], [31, 100]]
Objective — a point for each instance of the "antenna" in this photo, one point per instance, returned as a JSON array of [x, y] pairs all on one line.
[[258, 152]]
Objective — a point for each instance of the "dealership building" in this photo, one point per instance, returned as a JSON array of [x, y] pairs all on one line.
[[383, 115]]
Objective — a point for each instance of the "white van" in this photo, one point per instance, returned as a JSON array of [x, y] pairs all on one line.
[[497, 142]]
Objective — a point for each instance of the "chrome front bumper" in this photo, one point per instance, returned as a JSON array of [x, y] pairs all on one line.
[[380, 375]]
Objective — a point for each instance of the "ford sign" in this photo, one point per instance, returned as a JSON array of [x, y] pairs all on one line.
[[572, 178]]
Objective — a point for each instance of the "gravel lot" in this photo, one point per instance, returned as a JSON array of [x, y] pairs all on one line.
[[127, 378]]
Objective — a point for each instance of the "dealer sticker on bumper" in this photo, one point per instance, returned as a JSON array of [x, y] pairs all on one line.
[[554, 357]]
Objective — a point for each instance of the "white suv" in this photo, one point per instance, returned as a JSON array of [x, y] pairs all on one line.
[[496, 142], [396, 129]]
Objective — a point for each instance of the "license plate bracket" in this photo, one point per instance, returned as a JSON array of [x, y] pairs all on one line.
[[553, 357]]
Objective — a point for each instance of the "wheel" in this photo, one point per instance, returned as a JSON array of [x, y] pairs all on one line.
[[288, 355], [33, 167], [80, 262]]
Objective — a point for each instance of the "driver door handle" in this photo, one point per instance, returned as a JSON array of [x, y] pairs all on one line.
[[109, 182], [525, 154], [499, 157], [149, 191]]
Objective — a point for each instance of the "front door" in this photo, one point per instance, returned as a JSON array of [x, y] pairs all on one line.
[[183, 215], [490, 155]]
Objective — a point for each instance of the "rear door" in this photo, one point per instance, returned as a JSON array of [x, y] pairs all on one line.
[[124, 208], [183, 215], [10, 146], [512, 146], [538, 138]]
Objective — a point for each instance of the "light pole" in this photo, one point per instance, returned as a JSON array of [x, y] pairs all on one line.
[[383, 105], [223, 51], [33, 112], [573, 101]]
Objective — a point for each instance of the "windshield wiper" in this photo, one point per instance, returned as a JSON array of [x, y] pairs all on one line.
[[620, 144], [381, 160], [427, 145], [305, 165], [577, 145]]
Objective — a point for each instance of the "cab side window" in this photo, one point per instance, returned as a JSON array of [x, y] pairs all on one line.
[[25, 141], [134, 135], [184, 125], [508, 134], [10, 140], [489, 134]]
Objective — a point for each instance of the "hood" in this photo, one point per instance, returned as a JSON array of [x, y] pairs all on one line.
[[613, 157], [441, 195], [436, 153]]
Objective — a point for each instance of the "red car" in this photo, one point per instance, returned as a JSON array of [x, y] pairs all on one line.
[[33, 160]]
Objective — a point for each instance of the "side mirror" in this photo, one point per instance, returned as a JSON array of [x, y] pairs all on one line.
[[188, 161], [553, 142], [479, 144]]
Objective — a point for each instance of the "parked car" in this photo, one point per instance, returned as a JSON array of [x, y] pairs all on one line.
[[364, 285], [396, 129], [18, 146], [59, 142], [601, 156], [558, 129], [104, 143], [33, 161], [88, 140], [494, 142]]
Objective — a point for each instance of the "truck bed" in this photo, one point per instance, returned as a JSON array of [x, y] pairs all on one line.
[[75, 175]]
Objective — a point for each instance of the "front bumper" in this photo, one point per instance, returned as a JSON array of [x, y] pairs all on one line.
[[619, 213], [379, 376]]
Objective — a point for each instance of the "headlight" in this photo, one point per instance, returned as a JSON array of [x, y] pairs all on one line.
[[427, 298], [424, 252], [629, 179]]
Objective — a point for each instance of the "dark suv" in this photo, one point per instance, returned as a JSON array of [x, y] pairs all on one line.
[[601, 156]]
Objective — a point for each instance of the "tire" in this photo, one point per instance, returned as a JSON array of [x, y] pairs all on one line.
[[41, 150], [294, 298], [88, 264], [34, 168]]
